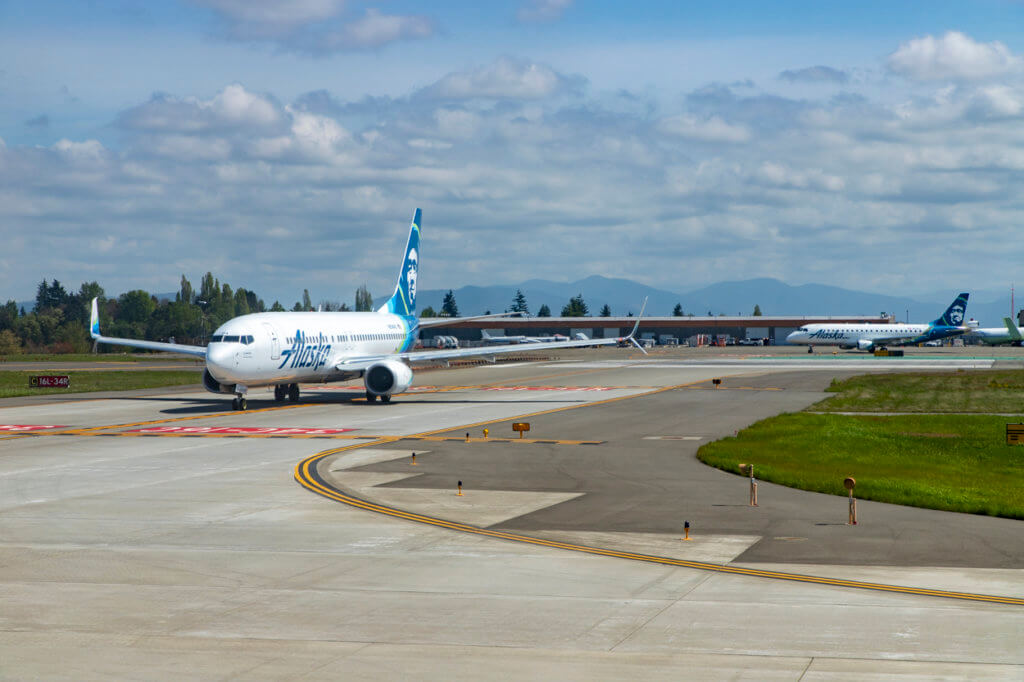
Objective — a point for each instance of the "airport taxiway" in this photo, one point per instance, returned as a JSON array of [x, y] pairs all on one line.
[[130, 552]]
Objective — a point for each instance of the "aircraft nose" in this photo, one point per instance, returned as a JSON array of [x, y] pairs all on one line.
[[219, 360]]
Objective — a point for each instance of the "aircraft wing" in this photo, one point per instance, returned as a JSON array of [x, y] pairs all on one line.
[[94, 332], [425, 322], [356, 363], [412, 357]]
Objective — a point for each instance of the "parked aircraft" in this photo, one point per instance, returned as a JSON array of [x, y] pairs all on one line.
[[521, 339], [284, 349], [870, 336], [994, 336]]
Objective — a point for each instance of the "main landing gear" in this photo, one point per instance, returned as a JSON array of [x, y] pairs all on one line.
[[290, 391], [372, 398], [810, 349], [239, 403]]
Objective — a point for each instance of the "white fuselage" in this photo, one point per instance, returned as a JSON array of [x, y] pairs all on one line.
[[852, 335], [994, 336], [281, 348]]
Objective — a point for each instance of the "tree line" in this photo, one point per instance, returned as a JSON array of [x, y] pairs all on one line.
[[59, 320]]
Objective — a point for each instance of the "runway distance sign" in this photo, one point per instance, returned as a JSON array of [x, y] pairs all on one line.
[[49, 381]]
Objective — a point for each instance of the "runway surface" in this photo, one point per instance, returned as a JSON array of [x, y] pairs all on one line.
[[159, 533]]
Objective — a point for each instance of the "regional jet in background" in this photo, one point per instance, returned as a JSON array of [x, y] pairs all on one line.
[[870, 336], [995, 336], [284, 349], [486, 336]]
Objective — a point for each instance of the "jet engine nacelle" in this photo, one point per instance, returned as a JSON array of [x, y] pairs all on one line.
[[213, 386], [865, 344], [388, 377]]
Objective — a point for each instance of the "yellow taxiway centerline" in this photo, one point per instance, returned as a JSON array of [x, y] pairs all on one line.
[[307, 476]]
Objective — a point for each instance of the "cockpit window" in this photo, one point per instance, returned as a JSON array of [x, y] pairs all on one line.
[[230, 339], [216, 338], [247, 339]]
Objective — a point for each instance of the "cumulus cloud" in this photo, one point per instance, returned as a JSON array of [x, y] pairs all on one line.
[[815, 74], [272, 18], [506, 78], [374, 29], [542, 10], [712, 129], [315, 26], [232, 108], [504, 162], [955, 57]]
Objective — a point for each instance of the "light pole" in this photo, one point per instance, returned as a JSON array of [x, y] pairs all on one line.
[[202, 313]]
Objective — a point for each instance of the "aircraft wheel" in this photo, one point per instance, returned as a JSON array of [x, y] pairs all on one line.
[[385, 399], [293, 393], [370, 398], [279, 392], [234, 404], [810, 349], [242, 404]]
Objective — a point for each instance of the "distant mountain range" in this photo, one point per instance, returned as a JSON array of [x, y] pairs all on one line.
[[729, 298]]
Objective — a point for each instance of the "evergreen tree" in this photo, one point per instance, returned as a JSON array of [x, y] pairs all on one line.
[[364, 301], [277, 307], [606, 311], [678, 310], [544, 311], [307, 302], [448, 306], [757, 310], [185, 293], [519, 303], [576, 307], [428, 312]]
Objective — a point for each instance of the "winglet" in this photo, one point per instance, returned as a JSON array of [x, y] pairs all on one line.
[[94, 321], [636, 325]]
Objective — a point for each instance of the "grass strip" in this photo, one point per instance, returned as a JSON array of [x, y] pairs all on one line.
[[13, 384], [982, 392], [951, 462]]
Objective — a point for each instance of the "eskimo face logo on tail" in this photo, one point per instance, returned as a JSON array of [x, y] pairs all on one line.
[[956, 314], [410, 274]]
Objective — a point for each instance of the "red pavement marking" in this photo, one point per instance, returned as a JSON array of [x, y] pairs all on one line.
[[268, 430], [28, 427]]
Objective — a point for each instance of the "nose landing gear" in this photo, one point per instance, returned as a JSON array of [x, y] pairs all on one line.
[[239, 403]]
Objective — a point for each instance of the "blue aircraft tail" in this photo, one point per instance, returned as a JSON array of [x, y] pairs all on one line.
[[403, 301], [955, 313]]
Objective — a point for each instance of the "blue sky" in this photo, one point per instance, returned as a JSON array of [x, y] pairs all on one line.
[[283, 145]]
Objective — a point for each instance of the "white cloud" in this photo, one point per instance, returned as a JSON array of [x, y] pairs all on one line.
[[375, 29], [272, 18], [954, 56], [505, 78], [712, 129], [815, 74], [542, 10], [233, 107]]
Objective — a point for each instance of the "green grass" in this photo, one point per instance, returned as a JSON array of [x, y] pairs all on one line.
[[956, 463], [981, 392], [14, 384]]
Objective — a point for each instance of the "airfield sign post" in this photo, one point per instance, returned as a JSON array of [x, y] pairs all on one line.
[[521, 427]]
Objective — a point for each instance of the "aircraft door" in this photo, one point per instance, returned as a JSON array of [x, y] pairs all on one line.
[[275, 343]]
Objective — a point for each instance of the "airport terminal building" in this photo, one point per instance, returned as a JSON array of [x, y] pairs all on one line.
[[663, 330]]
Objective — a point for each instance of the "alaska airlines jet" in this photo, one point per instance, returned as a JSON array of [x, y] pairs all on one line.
[[994, 336], [284, 349], [871, 336]]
